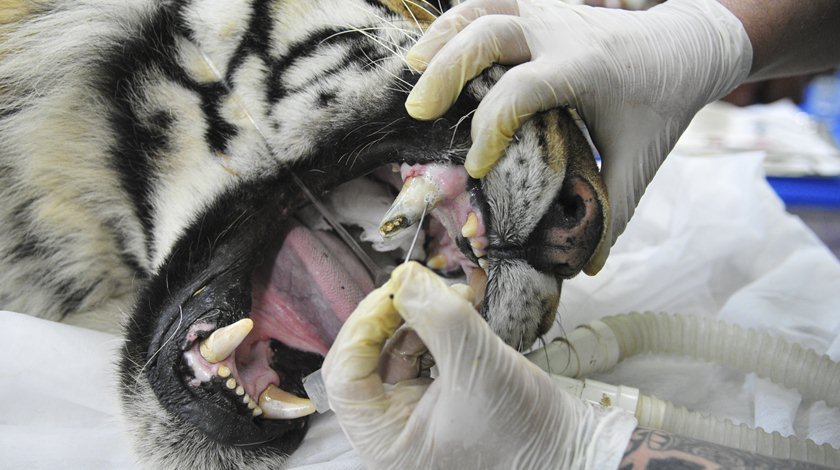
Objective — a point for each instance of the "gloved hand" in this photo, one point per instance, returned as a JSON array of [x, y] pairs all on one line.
[[636, 78], [489, 408]]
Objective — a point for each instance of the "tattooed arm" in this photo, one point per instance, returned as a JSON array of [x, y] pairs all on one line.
[[651, 449]]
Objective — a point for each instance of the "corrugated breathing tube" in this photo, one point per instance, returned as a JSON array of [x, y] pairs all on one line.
[[600, 345]]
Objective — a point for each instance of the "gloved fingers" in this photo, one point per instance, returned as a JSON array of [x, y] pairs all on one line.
[[350, 367], [445, 321], [401, 356], [451, 23], [626, 172], [485, 41], [521, 92]]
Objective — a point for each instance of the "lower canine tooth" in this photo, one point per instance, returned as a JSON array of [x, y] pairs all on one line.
[[279, 404], [219, 345], [416, 193], [436, 262]]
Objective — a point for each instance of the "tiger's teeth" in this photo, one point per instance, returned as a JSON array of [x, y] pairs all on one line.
[[470, 228], [436, 262], [230, 383], [485, 265], [219, 345], [408, 207], [279, 404], [477, 248], [257, 411], [223, 372], [478, 282], [240, 390]]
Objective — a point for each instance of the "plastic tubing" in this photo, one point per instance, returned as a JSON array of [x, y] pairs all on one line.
[[600, 345]]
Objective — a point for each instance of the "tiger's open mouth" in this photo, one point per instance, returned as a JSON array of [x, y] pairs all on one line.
[[304, 291], [250, 300]]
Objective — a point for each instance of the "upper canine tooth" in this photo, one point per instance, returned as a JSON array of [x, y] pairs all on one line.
[[470, 228], [219, 345], [415, 195], [280, 404]]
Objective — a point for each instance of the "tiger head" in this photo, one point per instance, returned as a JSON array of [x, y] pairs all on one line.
[[210, 116]]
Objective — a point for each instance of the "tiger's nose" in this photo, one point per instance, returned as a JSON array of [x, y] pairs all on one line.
[[568, 234]]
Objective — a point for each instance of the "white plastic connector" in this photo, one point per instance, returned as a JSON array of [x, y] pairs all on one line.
[[600, 393], [317, 391]]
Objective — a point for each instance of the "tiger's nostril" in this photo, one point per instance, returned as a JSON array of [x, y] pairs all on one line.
[[568, 234]]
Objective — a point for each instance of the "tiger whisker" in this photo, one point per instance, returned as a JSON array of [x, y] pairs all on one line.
[[417, 23], [455, 127], [358, 128], [388, 21], [389, 72], [168, 340], [385, 46], [352, 29]]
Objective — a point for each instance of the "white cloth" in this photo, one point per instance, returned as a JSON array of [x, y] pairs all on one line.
[[710, 238], [795, 143]]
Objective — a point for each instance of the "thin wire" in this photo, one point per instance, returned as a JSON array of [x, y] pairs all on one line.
[[417, 233], [374, 269]]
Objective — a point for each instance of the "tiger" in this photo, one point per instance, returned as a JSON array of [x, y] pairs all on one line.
[[155, 160]]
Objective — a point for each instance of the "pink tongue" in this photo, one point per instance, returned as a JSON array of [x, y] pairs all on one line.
[[313, 286]]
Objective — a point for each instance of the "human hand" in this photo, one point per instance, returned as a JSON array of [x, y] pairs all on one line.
[[489, 408], [636, 78]]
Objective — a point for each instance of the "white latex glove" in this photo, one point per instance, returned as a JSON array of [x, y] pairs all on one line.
[[489, 408], [636, 78]]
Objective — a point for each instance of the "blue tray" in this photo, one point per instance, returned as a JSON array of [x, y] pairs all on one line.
[[808, 191]]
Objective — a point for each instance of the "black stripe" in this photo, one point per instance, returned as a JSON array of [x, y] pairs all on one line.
[[71, 296], [127, 256], [139, 141], [219, 132], [309, 46], [136, 144], [256, 39], [29, 244], [542, 130]]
